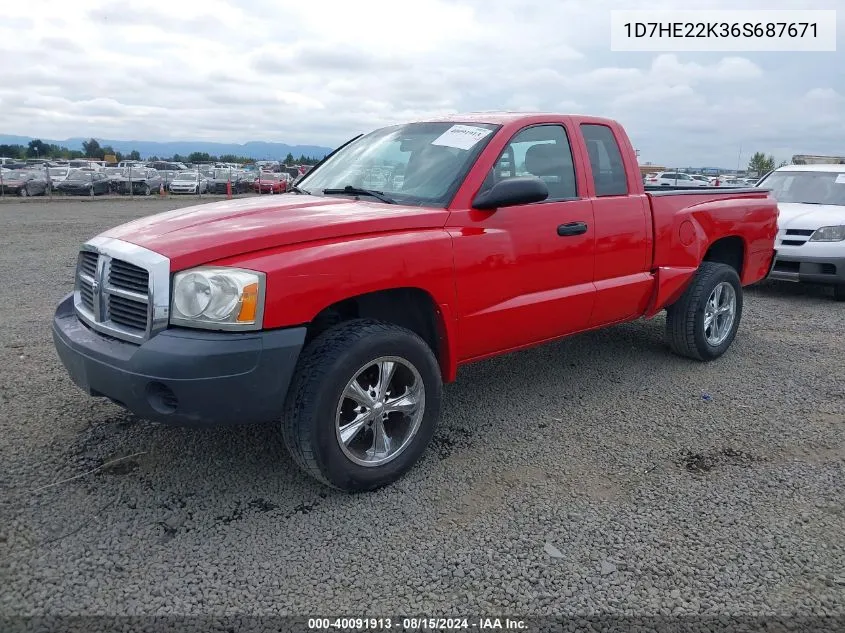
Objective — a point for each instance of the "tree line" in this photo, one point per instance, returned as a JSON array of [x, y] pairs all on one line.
[[91, 148], [763, 164]]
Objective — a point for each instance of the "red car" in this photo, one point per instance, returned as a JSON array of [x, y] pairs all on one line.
[[270, 182], [340, 310]]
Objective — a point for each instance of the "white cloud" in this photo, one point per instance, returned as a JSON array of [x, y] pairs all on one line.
[[321, 71]]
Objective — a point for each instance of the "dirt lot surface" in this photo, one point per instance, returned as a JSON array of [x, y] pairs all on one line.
[[600, 474]]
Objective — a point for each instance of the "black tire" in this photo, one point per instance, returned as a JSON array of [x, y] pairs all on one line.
[[147, 190], [839, 292], [685, 330], [324, 368], [23, 192]]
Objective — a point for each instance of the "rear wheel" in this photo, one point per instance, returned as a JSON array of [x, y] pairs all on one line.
[[702, 324], [363, 404]]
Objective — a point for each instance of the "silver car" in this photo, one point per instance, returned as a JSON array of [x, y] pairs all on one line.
[[189, 182]]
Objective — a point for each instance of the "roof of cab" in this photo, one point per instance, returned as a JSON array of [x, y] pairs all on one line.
[[832, 167], [504, 118]]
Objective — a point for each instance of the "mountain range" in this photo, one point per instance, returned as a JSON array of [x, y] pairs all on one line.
[[258, 150]]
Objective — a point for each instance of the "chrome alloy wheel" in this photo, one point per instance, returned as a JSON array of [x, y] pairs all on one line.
[[719, 313], [380, 411]]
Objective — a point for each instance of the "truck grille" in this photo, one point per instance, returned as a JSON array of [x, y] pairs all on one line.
[[113, 295], [127, 313], [128, 277]]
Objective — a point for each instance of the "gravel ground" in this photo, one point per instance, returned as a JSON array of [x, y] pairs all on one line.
[[596, 475]]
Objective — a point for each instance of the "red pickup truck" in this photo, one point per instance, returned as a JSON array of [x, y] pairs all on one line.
[[341, 307]]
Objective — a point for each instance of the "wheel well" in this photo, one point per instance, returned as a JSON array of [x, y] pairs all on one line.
[[727, 250], [410, 308]]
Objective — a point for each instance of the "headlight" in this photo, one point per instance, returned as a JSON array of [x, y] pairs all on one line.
[[829, 234], [218, 298]]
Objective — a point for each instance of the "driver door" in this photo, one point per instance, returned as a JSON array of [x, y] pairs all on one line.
[[524, 274]]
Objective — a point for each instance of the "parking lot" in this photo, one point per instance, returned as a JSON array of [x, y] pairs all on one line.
[[599, 474]]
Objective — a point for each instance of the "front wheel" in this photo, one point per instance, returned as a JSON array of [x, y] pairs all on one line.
[[702, 324], [363, 404], [24, 192]]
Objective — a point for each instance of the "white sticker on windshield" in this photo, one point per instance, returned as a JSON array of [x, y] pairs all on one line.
[[461, 136], [840, 179]]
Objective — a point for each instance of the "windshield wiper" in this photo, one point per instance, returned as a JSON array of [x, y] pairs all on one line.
[[378, 195]]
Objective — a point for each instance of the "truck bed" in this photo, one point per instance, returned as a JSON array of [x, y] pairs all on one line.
[[663, 189], [687, 220]]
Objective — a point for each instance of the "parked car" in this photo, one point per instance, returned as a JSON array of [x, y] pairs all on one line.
[[81, 182], [241, 182], [23, 183], [143, 181], [704, 180], [811, 225], [243, 311], [673, 179], [85, 164], [113, 175], [57, 174], [270, 182], [161, 165], [188, 182]]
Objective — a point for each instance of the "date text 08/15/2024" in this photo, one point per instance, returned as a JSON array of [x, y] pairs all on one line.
[[415, 624]]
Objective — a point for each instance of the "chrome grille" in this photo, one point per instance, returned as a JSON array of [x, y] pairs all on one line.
[[116, 286], [127, 312], [87, 295], [128, 277], [88, 263]]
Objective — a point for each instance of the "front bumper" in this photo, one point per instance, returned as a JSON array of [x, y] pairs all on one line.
[[807, 268], [182, 376]]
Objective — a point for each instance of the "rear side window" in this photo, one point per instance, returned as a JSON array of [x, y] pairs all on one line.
[[605, 160]]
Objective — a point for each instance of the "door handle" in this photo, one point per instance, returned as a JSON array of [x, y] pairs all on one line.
[[573, 228]]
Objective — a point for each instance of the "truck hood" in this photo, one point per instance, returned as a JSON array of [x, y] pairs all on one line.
[[797, 215], [200, 234]]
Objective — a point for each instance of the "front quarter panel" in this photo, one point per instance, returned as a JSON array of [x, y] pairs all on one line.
[[304, 279]]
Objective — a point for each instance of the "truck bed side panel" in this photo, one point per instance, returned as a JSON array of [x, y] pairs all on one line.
[[686, 224]]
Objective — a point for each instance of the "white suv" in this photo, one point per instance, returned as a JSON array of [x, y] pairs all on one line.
[[673, 179], [810, 243]]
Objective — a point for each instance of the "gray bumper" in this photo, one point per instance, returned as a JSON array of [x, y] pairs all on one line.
[[181, 376], [821, 270]]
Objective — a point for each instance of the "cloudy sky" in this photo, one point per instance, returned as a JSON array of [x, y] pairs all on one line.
[[320, 71]]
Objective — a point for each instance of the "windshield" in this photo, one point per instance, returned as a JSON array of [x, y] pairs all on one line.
[[418, 163], [58, 171], [268, 176], [186, 175], [79, 175], [808, 187]]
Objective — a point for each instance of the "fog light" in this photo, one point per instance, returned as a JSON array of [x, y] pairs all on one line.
[[162, 398]]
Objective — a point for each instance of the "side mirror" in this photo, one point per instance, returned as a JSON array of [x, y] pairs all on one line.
[[511, 192]]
